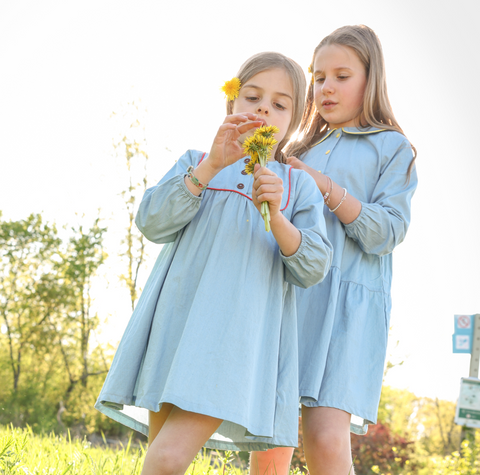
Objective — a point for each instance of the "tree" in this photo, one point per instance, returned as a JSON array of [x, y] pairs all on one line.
[[46, 349], [29, 286], [82, 258], [130, 146]]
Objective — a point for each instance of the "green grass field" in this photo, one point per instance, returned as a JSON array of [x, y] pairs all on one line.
[[23, 452]]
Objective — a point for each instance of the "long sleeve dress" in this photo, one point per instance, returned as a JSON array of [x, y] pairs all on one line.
[[344, 321], [215, 329]]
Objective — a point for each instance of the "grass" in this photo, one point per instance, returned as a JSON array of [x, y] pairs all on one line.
[[25, 453]]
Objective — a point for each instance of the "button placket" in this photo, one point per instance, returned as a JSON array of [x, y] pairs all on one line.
[[329, 151]]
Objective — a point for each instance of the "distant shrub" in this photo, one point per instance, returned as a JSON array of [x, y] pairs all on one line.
[[382, 451]]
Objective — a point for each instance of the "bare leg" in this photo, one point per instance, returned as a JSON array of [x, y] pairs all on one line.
[[156, 421], [179, 440], [271, 462], [326, 441]]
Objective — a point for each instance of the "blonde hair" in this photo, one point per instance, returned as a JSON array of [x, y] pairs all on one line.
[[264, 61], [376, 109]]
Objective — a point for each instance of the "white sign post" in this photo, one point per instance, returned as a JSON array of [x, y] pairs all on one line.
[[467, 413], [468, 405]]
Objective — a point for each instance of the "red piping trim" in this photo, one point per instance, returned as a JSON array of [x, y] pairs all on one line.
[[226, 189], [246, 196], [289, 188]]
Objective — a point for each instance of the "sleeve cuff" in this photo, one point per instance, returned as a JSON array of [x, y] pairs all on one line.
[[186, 193], [298, 254], [351, 227]]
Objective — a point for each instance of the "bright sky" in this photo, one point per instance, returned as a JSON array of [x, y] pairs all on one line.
[[65, 66]]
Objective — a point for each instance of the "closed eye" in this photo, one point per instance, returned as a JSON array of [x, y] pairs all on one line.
[[252, 98], [280, 106]]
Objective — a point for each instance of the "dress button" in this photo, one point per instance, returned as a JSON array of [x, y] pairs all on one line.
[[240, 186], [327, 152], [338, 135], [243, 172], [247, 160]]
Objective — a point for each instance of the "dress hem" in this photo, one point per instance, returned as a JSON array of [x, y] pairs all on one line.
[[106, 402], [355, 428]]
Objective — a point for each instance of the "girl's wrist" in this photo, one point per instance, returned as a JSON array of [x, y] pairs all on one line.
[[276, 218], [207, 170], [324, 183]]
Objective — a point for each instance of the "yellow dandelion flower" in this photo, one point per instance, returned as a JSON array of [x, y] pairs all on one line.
[[250, 167], [250, 145], [231, 89], [267, 131], [268, 142]]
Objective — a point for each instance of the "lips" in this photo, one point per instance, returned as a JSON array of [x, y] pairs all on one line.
[[327, 103]]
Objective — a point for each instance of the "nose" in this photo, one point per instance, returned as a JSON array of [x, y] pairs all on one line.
[[262, 108], [327, 87]]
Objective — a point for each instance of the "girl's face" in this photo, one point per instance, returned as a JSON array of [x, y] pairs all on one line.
[[268, 94], [340, 81]]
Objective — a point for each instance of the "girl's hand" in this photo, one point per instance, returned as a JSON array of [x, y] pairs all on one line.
[[315, 174], [226, 148], [267, 187], [299, 165]]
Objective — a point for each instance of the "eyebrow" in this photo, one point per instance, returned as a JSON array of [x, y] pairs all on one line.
[[261, 88], [335, 69]]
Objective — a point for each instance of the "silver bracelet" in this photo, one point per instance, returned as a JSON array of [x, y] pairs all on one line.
[[341, 201]]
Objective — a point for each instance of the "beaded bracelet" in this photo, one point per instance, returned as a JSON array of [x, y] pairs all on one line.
[[326, 196], [341, 201], [194, 179]]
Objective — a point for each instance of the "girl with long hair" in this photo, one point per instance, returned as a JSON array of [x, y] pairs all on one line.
[[361, 161]]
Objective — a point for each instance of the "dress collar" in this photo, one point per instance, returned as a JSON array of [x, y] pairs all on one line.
[[352, 131]]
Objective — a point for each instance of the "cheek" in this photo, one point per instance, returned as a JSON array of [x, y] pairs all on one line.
[[360, 92], [316, 97]]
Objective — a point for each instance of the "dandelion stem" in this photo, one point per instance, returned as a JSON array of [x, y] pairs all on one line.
[[265, 207]]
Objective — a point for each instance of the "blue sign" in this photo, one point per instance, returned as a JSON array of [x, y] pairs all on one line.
[[463, 336]]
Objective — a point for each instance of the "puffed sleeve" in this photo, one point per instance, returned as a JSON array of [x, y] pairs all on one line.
[[169, 206], [383, 222], [311, 262]]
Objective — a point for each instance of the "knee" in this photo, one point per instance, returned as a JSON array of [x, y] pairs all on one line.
[[327, 444], [164, 462], [271, 462]]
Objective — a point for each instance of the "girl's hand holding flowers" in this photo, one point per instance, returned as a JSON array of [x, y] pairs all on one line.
[[267, 187], [259, 146]]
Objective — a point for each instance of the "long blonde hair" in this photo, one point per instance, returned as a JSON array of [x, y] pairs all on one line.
[[376, 109], [269, 60]]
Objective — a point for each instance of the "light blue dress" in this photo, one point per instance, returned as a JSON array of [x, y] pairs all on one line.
[[344, 321], [215, 329]]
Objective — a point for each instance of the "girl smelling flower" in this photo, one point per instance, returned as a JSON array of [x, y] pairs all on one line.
[[210, 353]]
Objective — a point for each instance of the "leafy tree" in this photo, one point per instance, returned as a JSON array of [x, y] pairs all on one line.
[[46, 346], [29, 287]]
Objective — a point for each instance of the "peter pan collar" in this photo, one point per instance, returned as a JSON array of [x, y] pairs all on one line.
[[352, 131]]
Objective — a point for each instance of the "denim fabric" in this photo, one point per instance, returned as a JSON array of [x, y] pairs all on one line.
[[343, 322], [215, 329]]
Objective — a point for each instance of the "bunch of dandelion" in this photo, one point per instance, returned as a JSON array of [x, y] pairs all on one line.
[[259, 146]]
